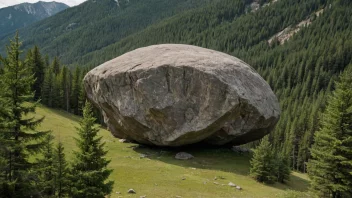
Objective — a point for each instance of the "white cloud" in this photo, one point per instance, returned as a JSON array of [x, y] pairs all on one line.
[[6, 3]]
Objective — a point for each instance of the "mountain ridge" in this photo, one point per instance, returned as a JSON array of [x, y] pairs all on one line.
[[21, 15], [103, 22]]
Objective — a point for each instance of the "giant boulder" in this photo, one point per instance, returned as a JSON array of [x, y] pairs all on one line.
[[174, 95]]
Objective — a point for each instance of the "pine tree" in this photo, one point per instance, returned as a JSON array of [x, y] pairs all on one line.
[[48, 88], [331, 163], [89, 170], [62, 172], [56, 93], [46, 62], [29, 59], [262, 163], [76, 89], [64, 79], [282, 167], [55, 65], [3, 161], [47, 170], [38, 70], [20, 137]]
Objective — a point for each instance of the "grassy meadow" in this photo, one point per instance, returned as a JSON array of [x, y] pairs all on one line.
[[155, 173]]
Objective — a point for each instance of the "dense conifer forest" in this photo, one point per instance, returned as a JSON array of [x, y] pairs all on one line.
[[96, 24], [48, 174]]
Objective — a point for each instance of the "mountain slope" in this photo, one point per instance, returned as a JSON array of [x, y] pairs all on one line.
[[224, 26], [22, 15], [156, 173], [95, 24]]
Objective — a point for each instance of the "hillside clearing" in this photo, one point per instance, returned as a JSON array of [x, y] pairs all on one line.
[[155, 173]]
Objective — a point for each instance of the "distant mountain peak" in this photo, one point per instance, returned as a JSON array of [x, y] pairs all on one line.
[[21, 15], [49, 8]]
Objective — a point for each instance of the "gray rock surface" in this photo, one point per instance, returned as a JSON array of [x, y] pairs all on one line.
[[174, 95], [183, 156], [239, 149]]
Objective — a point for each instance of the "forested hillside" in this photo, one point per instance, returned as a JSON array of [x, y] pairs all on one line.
[[96, 24], [24, 14]]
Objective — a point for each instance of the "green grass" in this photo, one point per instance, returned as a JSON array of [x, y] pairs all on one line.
[[160, 175]]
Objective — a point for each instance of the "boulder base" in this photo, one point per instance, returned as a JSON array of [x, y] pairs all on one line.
[[174, 95]]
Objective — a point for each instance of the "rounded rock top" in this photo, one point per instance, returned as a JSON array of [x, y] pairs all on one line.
[[165, 54], [174, 95]]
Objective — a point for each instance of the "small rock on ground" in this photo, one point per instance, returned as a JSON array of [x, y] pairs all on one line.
[[183, 156], [238, 188], [131, 191], [232, 184], [239, 149], [143, 155], [124, 141], [144, 196]]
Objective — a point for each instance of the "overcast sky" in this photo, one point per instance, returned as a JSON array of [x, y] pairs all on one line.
[[6, 3]]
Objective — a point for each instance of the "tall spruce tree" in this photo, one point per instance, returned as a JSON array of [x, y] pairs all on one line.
[[262, 163], [89, 170], [76, 89], [3, 163], [20, 137], [38, 67], [48, 87], [282, 167], [56, 93], [4, 112], [55, 65], [46, 172], [330, 168], [46, 62], [64, 78], [61, 172]]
